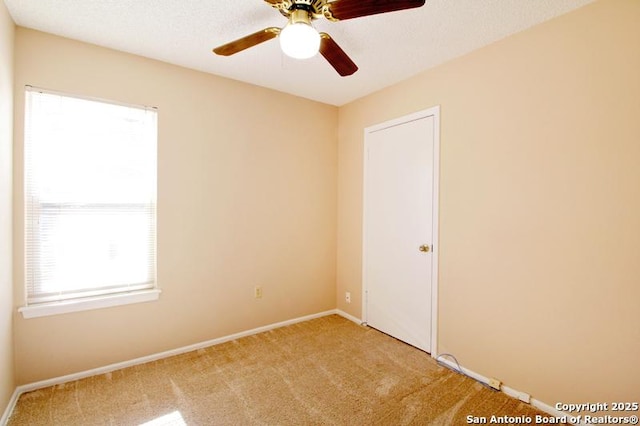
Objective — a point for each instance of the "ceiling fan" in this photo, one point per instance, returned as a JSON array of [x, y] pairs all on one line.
[[300, 40]]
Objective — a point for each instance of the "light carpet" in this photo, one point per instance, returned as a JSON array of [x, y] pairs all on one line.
[[327, 371]]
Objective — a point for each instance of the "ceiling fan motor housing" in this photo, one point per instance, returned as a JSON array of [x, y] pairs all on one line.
[[315, 8]]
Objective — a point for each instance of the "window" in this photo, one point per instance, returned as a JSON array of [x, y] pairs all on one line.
[[90, 199]]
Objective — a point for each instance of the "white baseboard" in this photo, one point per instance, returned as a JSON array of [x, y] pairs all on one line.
[[542, 406], [348, 316], [12, 403], [153, 357]]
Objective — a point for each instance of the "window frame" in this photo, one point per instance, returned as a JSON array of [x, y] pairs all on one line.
[[101, 297]]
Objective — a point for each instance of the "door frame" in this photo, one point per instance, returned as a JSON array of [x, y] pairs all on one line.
[[430, 112]]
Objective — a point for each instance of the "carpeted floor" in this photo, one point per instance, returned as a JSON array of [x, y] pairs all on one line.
[[327, 371]]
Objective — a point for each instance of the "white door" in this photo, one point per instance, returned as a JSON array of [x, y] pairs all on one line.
[[399, 228]]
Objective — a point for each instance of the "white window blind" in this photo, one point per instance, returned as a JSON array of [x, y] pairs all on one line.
[[90, 195]]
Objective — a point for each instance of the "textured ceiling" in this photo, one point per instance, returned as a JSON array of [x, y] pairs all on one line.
[[387, 48]]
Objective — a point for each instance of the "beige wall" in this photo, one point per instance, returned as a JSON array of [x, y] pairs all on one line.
[[244, 200], [540, 203], [7, 29]]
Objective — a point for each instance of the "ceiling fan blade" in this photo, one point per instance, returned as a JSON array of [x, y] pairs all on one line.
[[348, 9], [247, 42], [336, 56]]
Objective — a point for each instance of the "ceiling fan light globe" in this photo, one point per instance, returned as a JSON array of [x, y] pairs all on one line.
[[299, 40]]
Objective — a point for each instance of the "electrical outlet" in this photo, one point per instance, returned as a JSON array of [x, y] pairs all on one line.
[[495, 383], [258, 292], [347, 297]]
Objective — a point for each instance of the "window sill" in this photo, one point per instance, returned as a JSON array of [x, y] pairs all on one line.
[[48, 309]]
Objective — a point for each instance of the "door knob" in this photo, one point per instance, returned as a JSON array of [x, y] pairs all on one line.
[[425, 248]]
